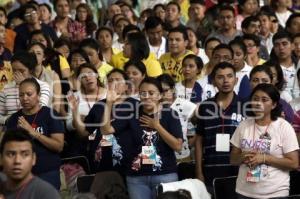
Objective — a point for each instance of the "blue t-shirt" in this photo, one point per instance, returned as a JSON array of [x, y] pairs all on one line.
[[46, 124], [134, 137]]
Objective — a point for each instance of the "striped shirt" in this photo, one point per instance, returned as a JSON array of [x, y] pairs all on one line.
[[210, 122], [9, 99]]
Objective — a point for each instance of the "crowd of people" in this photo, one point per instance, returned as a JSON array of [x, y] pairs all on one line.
[[139, 87]]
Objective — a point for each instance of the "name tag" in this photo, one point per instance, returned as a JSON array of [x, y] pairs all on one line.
[[107, 140], [148, 154], [222, 142], [253, 175]]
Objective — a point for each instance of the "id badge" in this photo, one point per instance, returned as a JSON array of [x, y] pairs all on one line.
[[253, 175], [222, 142], [106, 140], [148, 155]]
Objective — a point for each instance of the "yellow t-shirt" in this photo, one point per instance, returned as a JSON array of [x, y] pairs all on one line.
[[103, 70], [173, 66], [184, 6], [152, 65], [6, 74], [63, 64]]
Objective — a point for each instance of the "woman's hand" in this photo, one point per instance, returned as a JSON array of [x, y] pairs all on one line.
[[73, 101], [18, 77], [22, 122], [255, 158], [112, 96], [149, 122]]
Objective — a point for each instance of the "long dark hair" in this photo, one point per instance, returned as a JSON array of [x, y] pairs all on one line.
[[280, 78], [273, 93], [139, 46]]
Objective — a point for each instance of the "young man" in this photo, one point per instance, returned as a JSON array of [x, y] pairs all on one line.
[[154, 30], [265, 30], [283, 48], [217, 120], [173, 16], [18, 157], [227, 24], [171, 62]]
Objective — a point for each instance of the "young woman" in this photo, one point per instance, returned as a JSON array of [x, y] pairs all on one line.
[[128, 12], [47, 131], [252, 43], [265, 147], [45, 13], [119, 25], [104, 36], [136, 72], [194, 46], [160, 11], [246, 8], [84, 15], [154, 136], [48, 76]]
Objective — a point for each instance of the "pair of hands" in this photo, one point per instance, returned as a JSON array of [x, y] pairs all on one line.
[[18, 77], [22, 123], [252, 158]]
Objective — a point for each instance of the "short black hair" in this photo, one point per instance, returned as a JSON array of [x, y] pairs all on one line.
[[139, 46], [227, 7], [281, 35], [153, 22], [198, 60], [33, 82], [47, 6], [222, 65], [223, 46], [252, 37], [104, 28], [297, 35], [62, 42], [138, 64], [26, 7], [56, 1], [166, 79], [81, 52], [264, 13], [261, 68], [181, 30], [129, 28], [116, 70], [274, 94], [239, 42], [175, 4], [26, 58], [18, 135], [201, 2], [247, 21], [291, 18], [210, 40], [40, 32], [91, 43], [153, 81]]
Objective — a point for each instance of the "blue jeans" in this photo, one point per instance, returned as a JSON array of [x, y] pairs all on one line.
[[145, 186]]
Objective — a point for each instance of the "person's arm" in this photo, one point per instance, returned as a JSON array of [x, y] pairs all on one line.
[[237, 157], [55, 142], [198, 157], [57, 91]]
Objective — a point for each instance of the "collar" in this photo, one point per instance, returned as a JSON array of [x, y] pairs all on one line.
[[233, 103]]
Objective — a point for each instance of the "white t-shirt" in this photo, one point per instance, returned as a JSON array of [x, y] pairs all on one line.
[[240, 75], [283, 140], [203, 56], [283, 17], [159, 50], [209, 90], [289, 74]]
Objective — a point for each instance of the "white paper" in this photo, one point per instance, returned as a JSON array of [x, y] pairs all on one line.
[[222, 142]]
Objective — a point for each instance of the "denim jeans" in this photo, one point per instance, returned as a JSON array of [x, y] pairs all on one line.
[[145, 186]]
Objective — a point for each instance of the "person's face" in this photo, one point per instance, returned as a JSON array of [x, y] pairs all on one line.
[[265, 24], [39, 38], [64, 50], [117, 83], [93, 55], [274, 24], [262, 104], [226, 20], [253, 28], [296, 43], [274, 75], [176, 42], [45, 15], [31, 16], [160, 12], [259, 78], [19, 69], [62, 8], [105, 39], [197, 11], [88, 79], [127, 49], [76, 61], [120, 26], [150, 96], [250, 7], [238, 56], [283, 48], [210, 47], [82, 14], [2, 35], [192, 39], [113, 10], [126, 11], [3, 18], [155, 35], [252, 49], [39, 53], [190, 69], [225, 80], [295, 26], [135, 76], [168, 93], [18, 160], [29, 98], [221, 55], [172, 13]]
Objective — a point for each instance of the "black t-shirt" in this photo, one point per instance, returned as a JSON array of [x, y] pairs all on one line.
[[133, 137], [46, 124]]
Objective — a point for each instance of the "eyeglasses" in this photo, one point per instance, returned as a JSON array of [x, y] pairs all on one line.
[[86, 75], [29, 14]]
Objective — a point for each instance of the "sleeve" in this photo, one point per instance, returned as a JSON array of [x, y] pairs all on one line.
[[236, 137], [200, 121], [244, 89], [3, 112], [56, 125], [63, 63], [174, 125], [296, 122], [288, 111], [289, 138], [153, 68], [45, 94]]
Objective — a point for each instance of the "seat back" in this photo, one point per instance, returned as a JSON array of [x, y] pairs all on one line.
[[84, 183], [224, 188], [81, 160]]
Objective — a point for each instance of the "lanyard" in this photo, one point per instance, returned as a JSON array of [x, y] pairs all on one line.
[[266, 131]]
